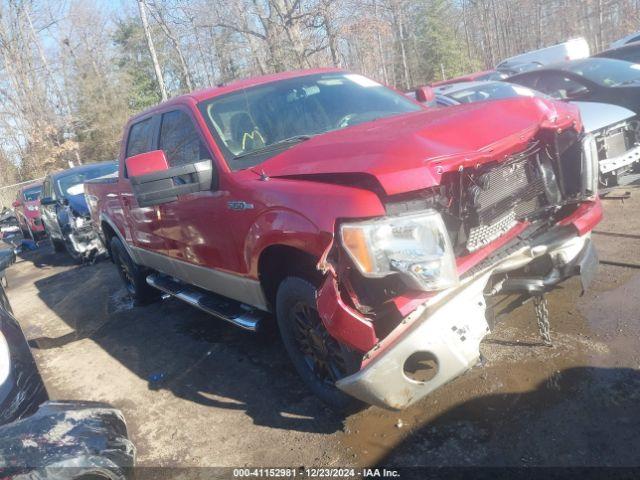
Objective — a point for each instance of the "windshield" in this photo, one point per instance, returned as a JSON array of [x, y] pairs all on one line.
[[491, 91], [254, 124], [32, 194], [73, 182], [606, 71]]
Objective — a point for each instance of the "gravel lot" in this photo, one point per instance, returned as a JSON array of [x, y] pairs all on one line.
[[198, 392]]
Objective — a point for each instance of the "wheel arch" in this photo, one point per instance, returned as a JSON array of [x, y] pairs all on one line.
[[278, 261]]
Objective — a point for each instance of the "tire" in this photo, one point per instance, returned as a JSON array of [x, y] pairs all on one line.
[[133, 276], [58, 245], [319, 359]]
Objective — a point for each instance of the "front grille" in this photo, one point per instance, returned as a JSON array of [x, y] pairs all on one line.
[[506, 193], [484, 234]]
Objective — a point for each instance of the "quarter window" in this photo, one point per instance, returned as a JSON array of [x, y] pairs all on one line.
[[180, 140]]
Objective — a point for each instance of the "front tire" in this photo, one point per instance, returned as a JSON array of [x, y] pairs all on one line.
[[134, 276], [58, 245], [319, 359]]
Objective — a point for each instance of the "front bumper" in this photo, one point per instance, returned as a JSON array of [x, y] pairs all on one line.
[[36, 225], [609, 165], [85, 241], [450, 326]]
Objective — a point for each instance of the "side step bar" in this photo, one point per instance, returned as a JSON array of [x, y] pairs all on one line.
[[239, 314]]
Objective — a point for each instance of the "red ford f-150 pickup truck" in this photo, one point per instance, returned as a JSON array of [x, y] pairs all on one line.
[[371, 228]]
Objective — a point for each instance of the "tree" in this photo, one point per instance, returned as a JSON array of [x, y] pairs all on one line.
[[152, 50]]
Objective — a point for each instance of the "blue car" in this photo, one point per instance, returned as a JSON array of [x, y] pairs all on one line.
[[65, 212]]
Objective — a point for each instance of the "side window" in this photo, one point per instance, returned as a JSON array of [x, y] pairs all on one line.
[[140, 136], [528, 81], [561, 86], [46, 188], [180, 140], [632, 56]]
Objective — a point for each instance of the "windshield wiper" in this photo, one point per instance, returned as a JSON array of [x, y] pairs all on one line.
[[275, 146]]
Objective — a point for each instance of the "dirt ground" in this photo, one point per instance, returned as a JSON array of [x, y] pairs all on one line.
[[198, 392]]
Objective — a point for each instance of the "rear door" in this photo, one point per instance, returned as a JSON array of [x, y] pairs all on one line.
[[141, 224]]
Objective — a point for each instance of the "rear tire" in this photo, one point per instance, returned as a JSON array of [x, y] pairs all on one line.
[[133, 276], [319, 359]]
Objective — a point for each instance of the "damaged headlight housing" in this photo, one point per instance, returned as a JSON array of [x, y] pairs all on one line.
[[590, 166], [416, 245]]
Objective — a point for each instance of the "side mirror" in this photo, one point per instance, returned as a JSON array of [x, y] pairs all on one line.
[[153, 182], [425, 94], [145, 163], [16, 204], [47, 201]]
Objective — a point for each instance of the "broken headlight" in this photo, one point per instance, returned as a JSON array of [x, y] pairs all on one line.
[[590, 166], [416, 245], [80, 222]]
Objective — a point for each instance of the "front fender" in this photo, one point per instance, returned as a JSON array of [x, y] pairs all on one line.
[[283, 227]]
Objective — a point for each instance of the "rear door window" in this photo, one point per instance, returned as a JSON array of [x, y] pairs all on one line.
[[140, 137], [180, 140]]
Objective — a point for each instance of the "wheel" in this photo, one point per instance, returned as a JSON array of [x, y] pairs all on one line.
[[58, 245], [319, 359], [134, 276]]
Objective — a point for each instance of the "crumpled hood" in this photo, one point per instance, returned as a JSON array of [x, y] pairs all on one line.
[[412, 151], [78, 204]]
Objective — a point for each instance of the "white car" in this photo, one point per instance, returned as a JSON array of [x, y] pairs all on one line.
[[573, 49]]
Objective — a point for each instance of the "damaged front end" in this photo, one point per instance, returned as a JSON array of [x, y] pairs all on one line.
[[411, 288], [80, 236]]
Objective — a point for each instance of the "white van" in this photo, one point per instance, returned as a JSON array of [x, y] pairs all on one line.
[[570, 50]]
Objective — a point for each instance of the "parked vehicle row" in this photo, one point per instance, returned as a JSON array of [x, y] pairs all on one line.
[[65, 212], [362, 221]]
